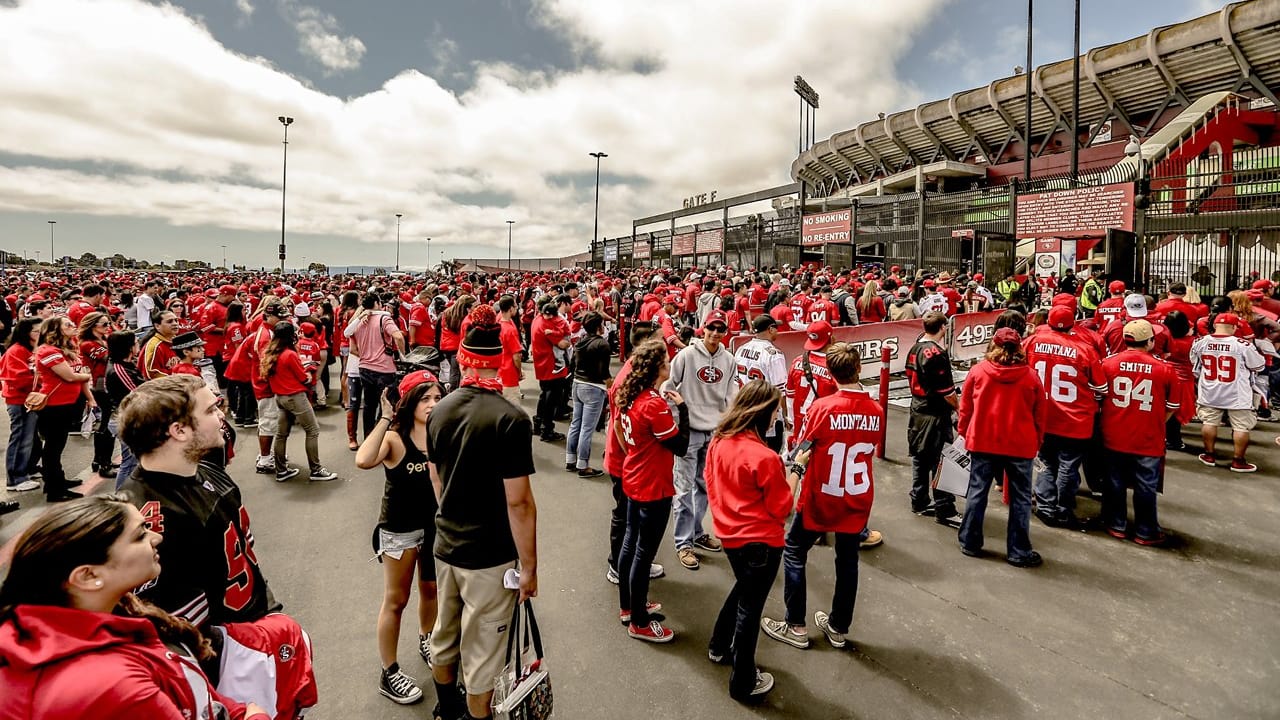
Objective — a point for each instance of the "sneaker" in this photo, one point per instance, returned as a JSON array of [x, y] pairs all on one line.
[[874, 539], [424, 648], [612, 576], [972, 552], [1208, 459], [653, 632], [571, 467], [1117, 533], [287, 474], [688, 559], [651, 607], [397, 686], [782, 632], [590, 473], [708, 543], [1158, 541], [1030, 561], [823, 621], [8, 506], [1241, 466], [24, 486], [950, 518], [247, 424], [323, 474], [764, 683], [553, 437], [656, 571], [266, 464], [719, 658]]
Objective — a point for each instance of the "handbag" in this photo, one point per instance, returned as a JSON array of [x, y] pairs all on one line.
[[36, 401], [953, 470], [523, 690]]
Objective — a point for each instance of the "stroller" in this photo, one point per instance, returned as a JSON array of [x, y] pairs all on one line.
[[420, 358]]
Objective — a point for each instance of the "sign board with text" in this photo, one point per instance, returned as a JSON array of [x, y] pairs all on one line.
[[1079, 212], [640, 251], [970, 333], [709, 241], [827, 227], [869, 339], [682, 244]]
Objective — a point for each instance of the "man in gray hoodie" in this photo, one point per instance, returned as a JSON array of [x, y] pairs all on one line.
[[704, 373]]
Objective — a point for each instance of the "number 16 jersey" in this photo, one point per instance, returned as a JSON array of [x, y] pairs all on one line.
[[838, 487]]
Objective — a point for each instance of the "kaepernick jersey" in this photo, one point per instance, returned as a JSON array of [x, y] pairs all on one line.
[[822, 309], [1072, 377], [210, 572], [838, 487], [1224, 367], [800, 393], [761, 360], [647, 468], [1108, 310], [1141, 389]]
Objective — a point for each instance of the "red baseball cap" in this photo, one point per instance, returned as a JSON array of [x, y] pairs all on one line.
[[1262, 285], [1115, 286], [818, 335], [227, 290], [414, 379], [1064, 300], [716, 317], [1227, 319], [1062, 318]]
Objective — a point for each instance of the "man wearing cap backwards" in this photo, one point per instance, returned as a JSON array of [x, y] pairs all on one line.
[[1071, 374], [1224, 367], [487, 519], [1140, 398], [704, 373], [761, 359], [1113, 307]]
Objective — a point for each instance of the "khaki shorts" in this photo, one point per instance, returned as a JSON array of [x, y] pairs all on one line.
[[1241, 420], [472, 616], [268, 417]]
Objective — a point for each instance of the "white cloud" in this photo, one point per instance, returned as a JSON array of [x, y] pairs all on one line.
[[111, 83], [245, 7], [319, 38]]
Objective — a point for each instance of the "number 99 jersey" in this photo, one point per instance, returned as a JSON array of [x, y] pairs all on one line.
[[838, 488], [1224, 367], [1140, 392]]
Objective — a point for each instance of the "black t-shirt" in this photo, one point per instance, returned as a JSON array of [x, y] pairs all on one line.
[[477, 439], [209, 571], [408, 501], [929, 374]]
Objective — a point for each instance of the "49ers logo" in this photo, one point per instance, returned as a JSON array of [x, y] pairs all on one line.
[[710, 374]]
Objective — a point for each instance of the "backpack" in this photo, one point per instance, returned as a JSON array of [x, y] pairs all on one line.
[[840, 299]]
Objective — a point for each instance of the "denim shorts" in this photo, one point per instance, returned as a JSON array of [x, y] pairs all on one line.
[[394, 544]]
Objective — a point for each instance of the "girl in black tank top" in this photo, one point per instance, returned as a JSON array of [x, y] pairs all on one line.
[[396, 442]]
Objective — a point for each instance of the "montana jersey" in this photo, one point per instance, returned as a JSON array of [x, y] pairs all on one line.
[[1072, 377], [838, 487], [1141, 389], [210, 573], [1224, 367]]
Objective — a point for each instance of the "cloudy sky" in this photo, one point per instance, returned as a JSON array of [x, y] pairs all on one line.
[[150, 128]]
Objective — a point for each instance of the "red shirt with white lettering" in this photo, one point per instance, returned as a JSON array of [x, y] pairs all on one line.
[[1072, 376], [613, 450], [799, 391], [60, 391], [800, 307], [1140, 391], [838, 490], [647, 469], [823, 309]]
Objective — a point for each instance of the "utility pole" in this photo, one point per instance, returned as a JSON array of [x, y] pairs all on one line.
[[595, 229], [286, 122], [51, 255], [513, 222], [398, 216]]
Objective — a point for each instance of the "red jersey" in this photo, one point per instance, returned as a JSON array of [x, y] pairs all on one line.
[[308, 351], [613, 450], [691, 294], [78, 310], [839, 488], [232, 337], [1072, 375], [747, 491], [758, 296], [647, 469], [422, 331], [60, 391], [213, 328], [1140, 391], [1108, 310], [800, 391], [510, 337], [953, 300], [548, 360], [289, 377], [667, 329], [800, 307], [822, 309], [742, 306], [94, 354]]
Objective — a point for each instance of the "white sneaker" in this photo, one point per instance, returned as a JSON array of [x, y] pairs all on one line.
[[823, 621], [24, 486], [782, 632], [655, 571]]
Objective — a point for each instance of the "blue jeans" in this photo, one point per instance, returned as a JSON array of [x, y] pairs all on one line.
[[1057, 484], [737, 628], [1143, 472], [691, 490], [18, 457], [588, 402], [127, 461], [646, 523], [794, 558], [983, 469]]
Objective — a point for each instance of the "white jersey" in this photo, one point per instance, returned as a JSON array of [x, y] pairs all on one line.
[[1224, 367], [934, 302], [760, 359]]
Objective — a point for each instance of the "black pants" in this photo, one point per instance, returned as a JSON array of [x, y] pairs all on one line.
[[244, 407], [926, 434], [104, 443], [551, 397], [372, 383], [220, 367], [646, 524], [53, 423], [737, 630], [617, 523]]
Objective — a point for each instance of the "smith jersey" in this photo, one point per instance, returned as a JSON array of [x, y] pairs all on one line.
[[1072, 377], [1140, 394], [761, 360], [1224, 367], [209, 571], [838, 486], [823, 309]]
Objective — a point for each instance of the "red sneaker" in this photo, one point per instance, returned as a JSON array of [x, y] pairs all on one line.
[[651, 607], [1159, 540], [1241, 466], [653, 632], [1208, 459], [1117, 534]]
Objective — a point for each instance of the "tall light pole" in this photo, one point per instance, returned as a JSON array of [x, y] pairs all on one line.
[[595, 226], [224, 257], [398, 216], [428, 254], [509, 224], [51, 255], [284, 179]]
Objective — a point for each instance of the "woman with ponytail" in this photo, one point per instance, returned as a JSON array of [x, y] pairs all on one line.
[[1003, 409], [282, 368], [75, 642]]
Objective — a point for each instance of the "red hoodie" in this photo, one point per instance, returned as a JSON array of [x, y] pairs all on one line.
[[747, 491], [60, 663], [1003, 410]]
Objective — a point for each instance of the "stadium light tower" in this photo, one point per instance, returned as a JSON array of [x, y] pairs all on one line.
[[398, 216], [509, 224], [284, 178], [595, 228], [51, 255]]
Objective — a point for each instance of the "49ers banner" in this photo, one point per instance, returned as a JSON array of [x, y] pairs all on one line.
[[869, 339], [970, 334]]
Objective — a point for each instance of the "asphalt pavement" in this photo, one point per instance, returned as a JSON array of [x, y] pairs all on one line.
[[1105, 628]]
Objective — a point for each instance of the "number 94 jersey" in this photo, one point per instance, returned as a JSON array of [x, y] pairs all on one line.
[[1140, 392], [838, 488]]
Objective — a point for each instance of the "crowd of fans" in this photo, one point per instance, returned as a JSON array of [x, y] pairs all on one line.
[[779, 450]]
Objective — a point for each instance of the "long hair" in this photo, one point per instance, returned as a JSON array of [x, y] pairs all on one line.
[[646, 363], [452, 318], [1011, 319], [22, 333], [66, 536], [753, 409], [283, 337], [88, 323], [402, 417], [51, 334], [1241, 305], [120, 345], [235, 312], [1010, 353], [869, 295]]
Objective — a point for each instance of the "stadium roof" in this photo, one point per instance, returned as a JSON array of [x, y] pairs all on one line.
[[1235, 49]]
